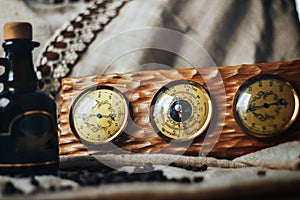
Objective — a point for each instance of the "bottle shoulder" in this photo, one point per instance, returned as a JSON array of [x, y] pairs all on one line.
[[25, 93], [36, 99]]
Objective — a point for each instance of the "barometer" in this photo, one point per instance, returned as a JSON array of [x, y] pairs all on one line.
[[181, 110]]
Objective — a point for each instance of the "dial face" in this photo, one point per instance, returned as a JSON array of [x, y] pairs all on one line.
[[181, 110], [99, 114], [266, 106]]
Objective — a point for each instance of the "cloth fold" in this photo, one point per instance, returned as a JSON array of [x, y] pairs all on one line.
[[283, 156]]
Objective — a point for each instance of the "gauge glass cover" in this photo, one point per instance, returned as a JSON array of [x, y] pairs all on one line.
[[99, 115], [266, 106]]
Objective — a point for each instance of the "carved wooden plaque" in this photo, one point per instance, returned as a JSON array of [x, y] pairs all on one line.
[[224, 137]]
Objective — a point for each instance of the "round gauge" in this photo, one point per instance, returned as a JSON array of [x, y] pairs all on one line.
[[181, 110], [99, 114], [265, 106]]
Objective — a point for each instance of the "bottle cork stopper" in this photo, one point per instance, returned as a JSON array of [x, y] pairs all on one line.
[[17, 30]]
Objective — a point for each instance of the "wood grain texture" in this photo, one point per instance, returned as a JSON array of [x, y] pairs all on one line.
[[223, 139]]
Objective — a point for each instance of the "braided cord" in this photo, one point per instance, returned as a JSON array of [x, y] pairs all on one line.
[[69, 44]]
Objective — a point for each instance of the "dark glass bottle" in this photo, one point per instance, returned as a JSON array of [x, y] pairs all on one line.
[[28, 122]]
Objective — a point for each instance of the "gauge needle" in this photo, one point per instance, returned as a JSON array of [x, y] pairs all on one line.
[[111, 116], [178, 109], [87, 115], [280, 102], [179, 119]]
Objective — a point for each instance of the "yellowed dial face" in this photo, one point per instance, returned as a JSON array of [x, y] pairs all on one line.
[[266, 106], [181, 110], [99, 115]]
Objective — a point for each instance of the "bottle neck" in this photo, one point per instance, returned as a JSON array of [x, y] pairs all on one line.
[[21, 75]]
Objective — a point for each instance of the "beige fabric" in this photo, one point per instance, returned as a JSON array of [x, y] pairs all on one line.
[[232, 32], [45, 20], [45, 182], [283, 156], [217, 183]]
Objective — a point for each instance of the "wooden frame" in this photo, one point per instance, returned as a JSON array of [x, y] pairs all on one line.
[[224, 138]]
